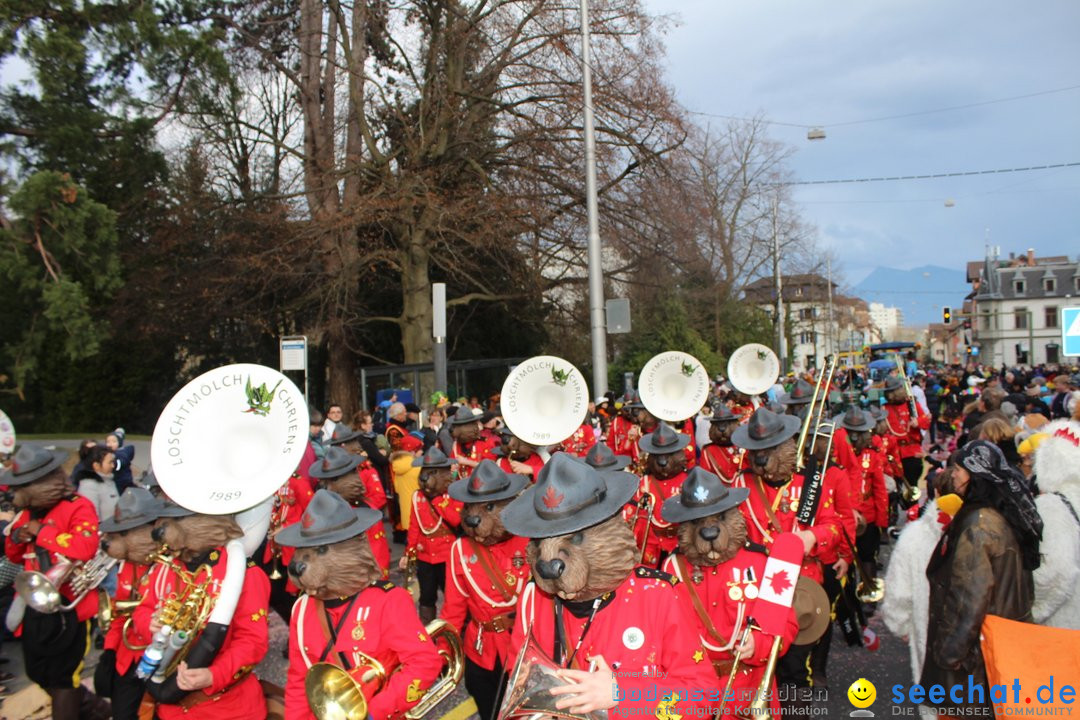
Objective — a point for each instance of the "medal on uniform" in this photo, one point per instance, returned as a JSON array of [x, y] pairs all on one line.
[[784, 507], [358, 632], [518, 559], [697, 576], [735, 593], [751, 590], [511, 579]]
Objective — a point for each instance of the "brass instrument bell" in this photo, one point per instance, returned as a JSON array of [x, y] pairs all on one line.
[[534, 674], [875, 593]]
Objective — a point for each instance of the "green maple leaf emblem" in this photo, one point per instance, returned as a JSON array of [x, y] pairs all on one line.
[[761, 355], [688, 369], [559, 377], [259, 399]]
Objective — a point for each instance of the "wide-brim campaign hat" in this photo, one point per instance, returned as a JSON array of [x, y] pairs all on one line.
[[811, 606], [664, 439], [801, 393], [877, 414], [703, 494], [169, 509], [766, 429], [335, 463], [604, 459], [633, 400], [433, 458], [465, 415], [487, 483], [328, 519], [893, 382], [722, 413], [343, 434], [855, 420], [568, 496], [148, 479], [135, 507], [31, 463]]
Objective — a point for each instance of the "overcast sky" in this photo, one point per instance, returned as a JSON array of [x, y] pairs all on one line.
[[822, 62]]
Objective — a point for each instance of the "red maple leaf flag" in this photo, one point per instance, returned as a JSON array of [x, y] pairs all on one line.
[[777, 592], [552, 499]]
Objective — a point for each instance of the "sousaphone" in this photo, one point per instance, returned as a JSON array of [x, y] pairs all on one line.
[[7, 435], [673, 386], [753, 368], [544, 400]]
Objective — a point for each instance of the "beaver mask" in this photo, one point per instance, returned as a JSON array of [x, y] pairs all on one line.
[[483, 524], [195, 535], [665, 465], [465, 434], [335, 571], [774, 465], [897, 396], [860, 440], [585, 564], [44, 493], [435, 481], [720, 432], [713, 539], [647, 421], [348, 486], [518, 449], [134, 545]]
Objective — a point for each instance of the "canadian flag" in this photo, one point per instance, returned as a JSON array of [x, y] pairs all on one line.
[[777, 592]]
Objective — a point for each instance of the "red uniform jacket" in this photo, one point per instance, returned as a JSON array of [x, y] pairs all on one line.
[[375, 498], [290, 501], [837, 489], [641, 631], [581, 441], [534, 461], [890, 459], [726, 462], [235, 691], [132, 582], [728, 610], [431, 530], [488, 603], [663, 536], [872, 499], [68, 530], [761, 529], [382, 624], [618, 437], [909, 439], [476, 451]]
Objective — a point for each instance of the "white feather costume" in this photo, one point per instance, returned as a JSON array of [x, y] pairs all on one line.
[[1057, 472]]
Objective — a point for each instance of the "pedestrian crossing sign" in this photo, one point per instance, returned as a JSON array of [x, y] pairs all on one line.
[[1070, 331]]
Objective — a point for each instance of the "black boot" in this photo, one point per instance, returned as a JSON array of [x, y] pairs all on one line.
[[65, 703], [427, 614]]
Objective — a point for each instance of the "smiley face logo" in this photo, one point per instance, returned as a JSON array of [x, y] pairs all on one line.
[[862, 693]]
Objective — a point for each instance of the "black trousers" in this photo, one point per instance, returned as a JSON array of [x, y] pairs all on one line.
[[54, 646], [794, 667], [867, 545], [431, 578], [486, 687], [127, 694]]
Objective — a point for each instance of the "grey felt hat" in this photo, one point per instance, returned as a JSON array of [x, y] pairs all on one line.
[[169, 509], [568, 496], [766, 429], [466, 415], [702, 494], [893, 382], [343, 434], [603, 458], [433, 458], [855, 420], [335, 463], [722, 413], [487, 483], [135, 507], [148, 479], [801, 393], [664, 439], [31, 463], [328, 519]]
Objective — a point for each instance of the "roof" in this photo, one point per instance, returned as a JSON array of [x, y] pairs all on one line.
[[1063, 274], [803, 287]]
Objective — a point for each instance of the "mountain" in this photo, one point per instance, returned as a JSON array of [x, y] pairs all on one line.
[[920, 293]]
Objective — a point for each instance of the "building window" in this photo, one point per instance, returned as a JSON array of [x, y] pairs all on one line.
[[807, 313], [1020, 318], [798, 292], [1049, 285], [986, 321], [1052, 354], [806, 338], [1051, 317], [1076, 284], [1018, 287]]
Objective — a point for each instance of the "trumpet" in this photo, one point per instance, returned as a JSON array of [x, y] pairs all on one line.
[[41, 590], [337, 694], [534, 674]]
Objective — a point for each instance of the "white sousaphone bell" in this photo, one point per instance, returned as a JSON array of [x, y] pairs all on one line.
[[7, 435], [673, 386], [753, 368], [544, 400]]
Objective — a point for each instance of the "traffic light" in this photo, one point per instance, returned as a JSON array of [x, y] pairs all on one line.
[[946, 315]]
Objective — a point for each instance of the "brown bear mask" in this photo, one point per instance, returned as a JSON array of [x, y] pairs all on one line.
[[465, 434], [134, 545], [665, 465], [435, 481], [44, 493], [897, 396], [482, 522], [713, 539], [774, 465], [195, 535], [720, 432], [348, 486], [335, 571], [590, 562]]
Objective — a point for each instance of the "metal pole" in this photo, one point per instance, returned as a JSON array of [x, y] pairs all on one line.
[[438, 332], [596, 270], [781, 342]]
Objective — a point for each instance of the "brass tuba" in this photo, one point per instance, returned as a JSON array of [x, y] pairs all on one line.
[[534, 674], [334, 693], [41, 591]]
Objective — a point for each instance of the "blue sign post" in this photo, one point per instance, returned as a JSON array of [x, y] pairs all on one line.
[[1070, 331]]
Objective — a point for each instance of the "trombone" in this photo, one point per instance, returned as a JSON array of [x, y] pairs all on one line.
[[815, 411]]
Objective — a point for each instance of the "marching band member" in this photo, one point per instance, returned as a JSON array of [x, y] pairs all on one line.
[[54, 525], [908, 432], [433, 528], [126, 536], [517, 456], [469, 448], [348, 612], [346, 474], [579, 444], [719, 576], [665, 471], [624, 433], [226, 688], [871, 499], [290, 501], [486, 574], [720, 457]]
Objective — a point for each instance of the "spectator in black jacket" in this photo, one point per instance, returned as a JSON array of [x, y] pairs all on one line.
[[125, 454]]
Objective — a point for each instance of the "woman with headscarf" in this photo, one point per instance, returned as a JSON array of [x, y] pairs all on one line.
[[981, 566]]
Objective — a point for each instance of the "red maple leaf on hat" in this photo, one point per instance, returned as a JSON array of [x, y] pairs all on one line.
[[779, 581], [306, 521], [552, 499]]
